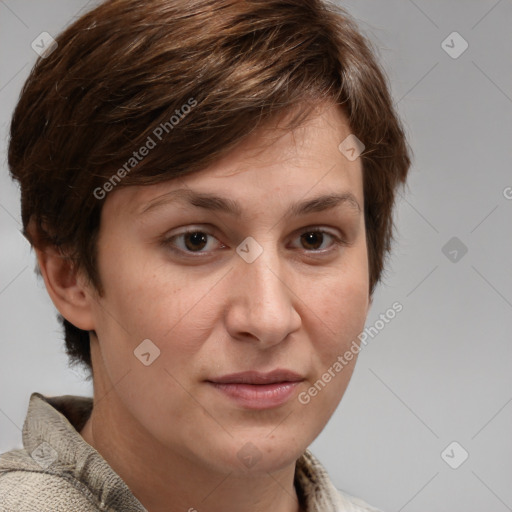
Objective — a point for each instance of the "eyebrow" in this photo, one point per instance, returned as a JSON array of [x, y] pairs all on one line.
[[217, 203]]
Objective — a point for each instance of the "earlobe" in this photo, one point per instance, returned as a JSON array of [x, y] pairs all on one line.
[[66, 289]]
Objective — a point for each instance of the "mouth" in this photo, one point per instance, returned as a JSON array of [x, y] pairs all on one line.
[[256, 390]]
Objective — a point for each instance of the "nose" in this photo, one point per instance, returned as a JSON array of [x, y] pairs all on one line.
[[262, 305]]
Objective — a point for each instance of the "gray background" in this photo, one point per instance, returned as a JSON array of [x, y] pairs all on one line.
[[440, 371]]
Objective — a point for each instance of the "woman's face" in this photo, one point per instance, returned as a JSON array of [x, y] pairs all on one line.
[[272, 279]]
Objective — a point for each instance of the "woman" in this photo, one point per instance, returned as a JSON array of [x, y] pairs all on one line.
[[209, 189]]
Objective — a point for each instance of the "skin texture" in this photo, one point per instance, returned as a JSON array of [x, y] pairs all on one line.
[[170, 435]]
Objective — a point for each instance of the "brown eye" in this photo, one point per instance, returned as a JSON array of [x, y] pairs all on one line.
[[317, 240], [195, 240], [192, 242], [312, 240]]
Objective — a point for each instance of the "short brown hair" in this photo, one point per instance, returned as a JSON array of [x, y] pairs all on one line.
[[128, 66]]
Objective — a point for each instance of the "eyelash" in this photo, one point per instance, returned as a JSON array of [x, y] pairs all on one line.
[[168, 241]]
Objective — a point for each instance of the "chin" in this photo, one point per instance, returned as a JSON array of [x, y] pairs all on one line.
[[261, 454]]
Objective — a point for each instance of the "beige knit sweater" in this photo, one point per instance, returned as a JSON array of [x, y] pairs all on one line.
[[57, 471]]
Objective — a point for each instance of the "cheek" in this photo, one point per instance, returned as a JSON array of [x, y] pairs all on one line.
[[146, 296], [340, 307], [337, 318], [165, 305], [146, 299]]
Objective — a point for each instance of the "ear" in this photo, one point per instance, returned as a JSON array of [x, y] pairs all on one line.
[[66, 287]]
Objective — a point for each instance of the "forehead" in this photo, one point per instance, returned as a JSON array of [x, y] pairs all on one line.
[[285, 162]]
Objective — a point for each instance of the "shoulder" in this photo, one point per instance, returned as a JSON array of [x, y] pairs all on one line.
[[25, 487]]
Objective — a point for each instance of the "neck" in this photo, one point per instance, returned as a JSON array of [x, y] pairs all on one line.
[[163, 479]]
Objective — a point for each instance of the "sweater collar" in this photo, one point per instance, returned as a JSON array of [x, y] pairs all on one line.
[[51, 435]]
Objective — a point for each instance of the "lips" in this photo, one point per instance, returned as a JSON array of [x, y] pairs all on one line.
[[256, 378], [256, 390]]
